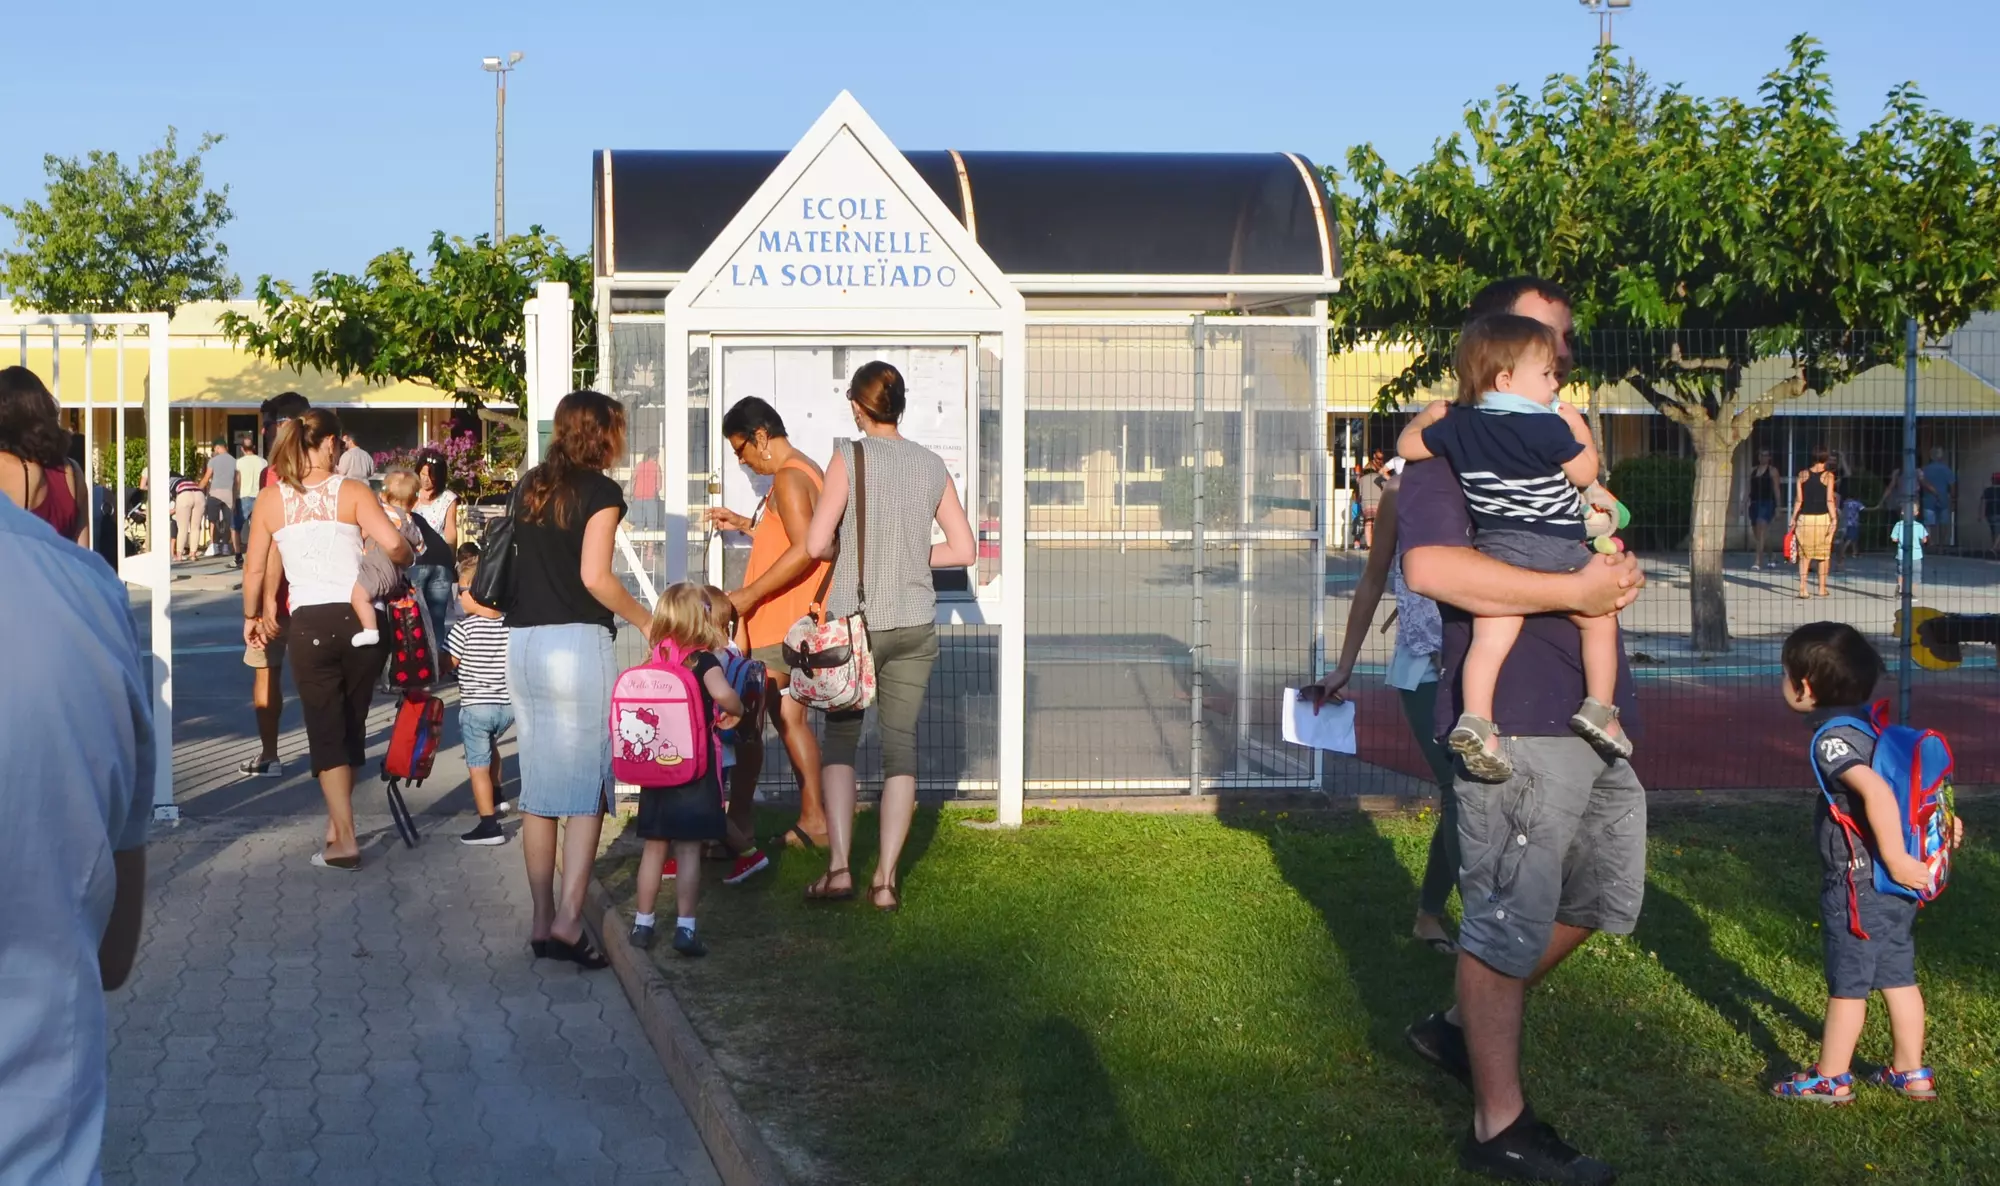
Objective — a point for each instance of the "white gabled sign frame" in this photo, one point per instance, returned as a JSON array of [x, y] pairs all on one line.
[[840, 148]]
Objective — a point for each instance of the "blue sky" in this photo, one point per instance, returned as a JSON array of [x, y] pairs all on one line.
[[361, 125]]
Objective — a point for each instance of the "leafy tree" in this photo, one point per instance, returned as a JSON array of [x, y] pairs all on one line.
[[109, 238], [455, 325], [1697, 236]]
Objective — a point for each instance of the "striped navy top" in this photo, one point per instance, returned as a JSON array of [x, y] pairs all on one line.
[[1510, 466], [480, 646]]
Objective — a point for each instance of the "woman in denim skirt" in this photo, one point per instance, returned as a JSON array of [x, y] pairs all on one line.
[[562, 615]]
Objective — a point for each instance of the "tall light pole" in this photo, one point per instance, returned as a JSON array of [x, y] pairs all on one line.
[[1603, 10], [500, 70]]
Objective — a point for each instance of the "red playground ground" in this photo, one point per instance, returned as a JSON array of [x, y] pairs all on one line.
[[1699, 732]]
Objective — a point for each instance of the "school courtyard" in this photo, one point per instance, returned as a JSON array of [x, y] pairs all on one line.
[[1102, 997]]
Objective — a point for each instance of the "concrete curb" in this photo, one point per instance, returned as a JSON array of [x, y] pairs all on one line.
[[732, 1139]]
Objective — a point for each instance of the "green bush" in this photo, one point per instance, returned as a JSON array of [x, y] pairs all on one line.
[[1221, 495], [107, 460], [190, 461], [1659, 491]]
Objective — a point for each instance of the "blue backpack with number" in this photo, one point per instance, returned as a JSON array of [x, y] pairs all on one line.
[[1917, 765]]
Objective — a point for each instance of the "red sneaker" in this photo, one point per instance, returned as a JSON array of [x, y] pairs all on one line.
[[749, 863], [671, 871]]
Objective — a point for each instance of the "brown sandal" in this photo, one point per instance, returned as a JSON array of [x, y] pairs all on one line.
[[823, 891], [895, 898]]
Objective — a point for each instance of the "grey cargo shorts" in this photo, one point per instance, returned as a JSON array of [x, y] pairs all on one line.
[[1564, 840]]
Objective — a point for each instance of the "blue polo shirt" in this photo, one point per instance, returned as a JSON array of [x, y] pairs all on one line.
[[76, 785]]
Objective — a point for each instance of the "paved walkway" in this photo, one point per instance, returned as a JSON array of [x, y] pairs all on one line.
[[290, 1024]]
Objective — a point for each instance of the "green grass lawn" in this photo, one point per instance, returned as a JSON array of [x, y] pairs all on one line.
[[1105, 998]]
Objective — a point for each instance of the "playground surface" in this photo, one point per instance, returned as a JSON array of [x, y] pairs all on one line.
[[1719, 722]]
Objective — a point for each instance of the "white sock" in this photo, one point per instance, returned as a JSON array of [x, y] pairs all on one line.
[[642, 920], [684, 921], [365, 638]]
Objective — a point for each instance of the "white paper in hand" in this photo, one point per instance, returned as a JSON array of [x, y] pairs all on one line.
[[1331, 728]]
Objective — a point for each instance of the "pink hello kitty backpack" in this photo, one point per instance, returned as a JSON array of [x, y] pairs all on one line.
[[659, 730]]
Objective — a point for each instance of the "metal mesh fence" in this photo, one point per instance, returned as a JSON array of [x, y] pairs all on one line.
[[1172, 473], [1153, 650], [1704, 438]]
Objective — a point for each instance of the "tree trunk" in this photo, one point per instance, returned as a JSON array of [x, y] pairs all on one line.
[[1714, 455], [1594, 417]]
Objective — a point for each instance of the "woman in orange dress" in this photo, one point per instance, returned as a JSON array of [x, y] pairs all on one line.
[[778, 587]]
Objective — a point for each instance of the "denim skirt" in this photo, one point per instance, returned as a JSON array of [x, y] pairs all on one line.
[[560, 678]]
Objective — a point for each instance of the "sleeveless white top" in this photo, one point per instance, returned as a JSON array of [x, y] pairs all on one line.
[[438, 510], [322, 555]]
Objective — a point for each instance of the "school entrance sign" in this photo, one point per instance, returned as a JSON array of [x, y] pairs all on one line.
[[847, 233]]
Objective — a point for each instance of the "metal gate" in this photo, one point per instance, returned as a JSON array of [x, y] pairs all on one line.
[[103, 366], [1176, 551]]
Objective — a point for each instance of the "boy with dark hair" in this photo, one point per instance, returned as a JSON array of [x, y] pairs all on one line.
[[1867, 936]]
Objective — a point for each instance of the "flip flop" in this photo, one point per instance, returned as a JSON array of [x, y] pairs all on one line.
[[345, 864], [1441, 946], [797, 837]]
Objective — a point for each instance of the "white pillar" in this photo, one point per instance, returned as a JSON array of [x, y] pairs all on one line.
[[1013, 672], [549, 344]]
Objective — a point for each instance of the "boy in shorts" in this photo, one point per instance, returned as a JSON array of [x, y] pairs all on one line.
[[1867, 936], [478, 650]]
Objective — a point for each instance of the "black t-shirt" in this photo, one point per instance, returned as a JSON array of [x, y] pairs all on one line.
[[435, 550], [1510, 465], [1764, 485], [548, 560], [1541, 683], [1842, 749]]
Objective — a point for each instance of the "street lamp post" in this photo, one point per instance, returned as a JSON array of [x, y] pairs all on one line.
[[500, 69], [1603, 10]]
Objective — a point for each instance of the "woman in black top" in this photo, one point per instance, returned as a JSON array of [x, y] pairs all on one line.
[[562, 614], [1763, 502], [1812, 518]]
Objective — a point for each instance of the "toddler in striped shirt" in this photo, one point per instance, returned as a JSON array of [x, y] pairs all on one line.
[[478, 649]]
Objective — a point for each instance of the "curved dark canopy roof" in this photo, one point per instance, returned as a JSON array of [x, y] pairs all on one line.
[[1034, 213]]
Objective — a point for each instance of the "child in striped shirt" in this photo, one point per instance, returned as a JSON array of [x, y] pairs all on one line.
[[478, 650]]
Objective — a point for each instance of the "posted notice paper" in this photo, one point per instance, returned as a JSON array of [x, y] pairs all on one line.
[[1331, 728]]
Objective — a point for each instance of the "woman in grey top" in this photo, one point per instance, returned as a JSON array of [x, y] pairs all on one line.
[[908, 489]]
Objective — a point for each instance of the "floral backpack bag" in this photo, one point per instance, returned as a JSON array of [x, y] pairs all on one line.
[[832, 669]]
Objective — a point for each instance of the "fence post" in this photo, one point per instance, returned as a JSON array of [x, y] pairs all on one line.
[[1909, 484], [1246, 554], [1196, 679]]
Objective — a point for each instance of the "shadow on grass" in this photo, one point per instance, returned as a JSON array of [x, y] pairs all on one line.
[[1349, 873], [1068, 1127], [1673, 930]]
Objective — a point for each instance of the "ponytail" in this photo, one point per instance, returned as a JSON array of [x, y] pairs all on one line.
[[877, 389], [296, 439]]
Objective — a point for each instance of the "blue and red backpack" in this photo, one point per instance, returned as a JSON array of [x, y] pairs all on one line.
[[1917, 765]]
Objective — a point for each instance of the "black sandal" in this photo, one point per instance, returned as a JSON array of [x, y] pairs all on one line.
[[540, 947], [823, 891], [580, 953], [797, 837]]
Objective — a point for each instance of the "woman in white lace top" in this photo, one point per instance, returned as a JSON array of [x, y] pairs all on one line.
[[318, 522]]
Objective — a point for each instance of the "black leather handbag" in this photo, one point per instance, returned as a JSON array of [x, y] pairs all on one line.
[[493, 584]]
